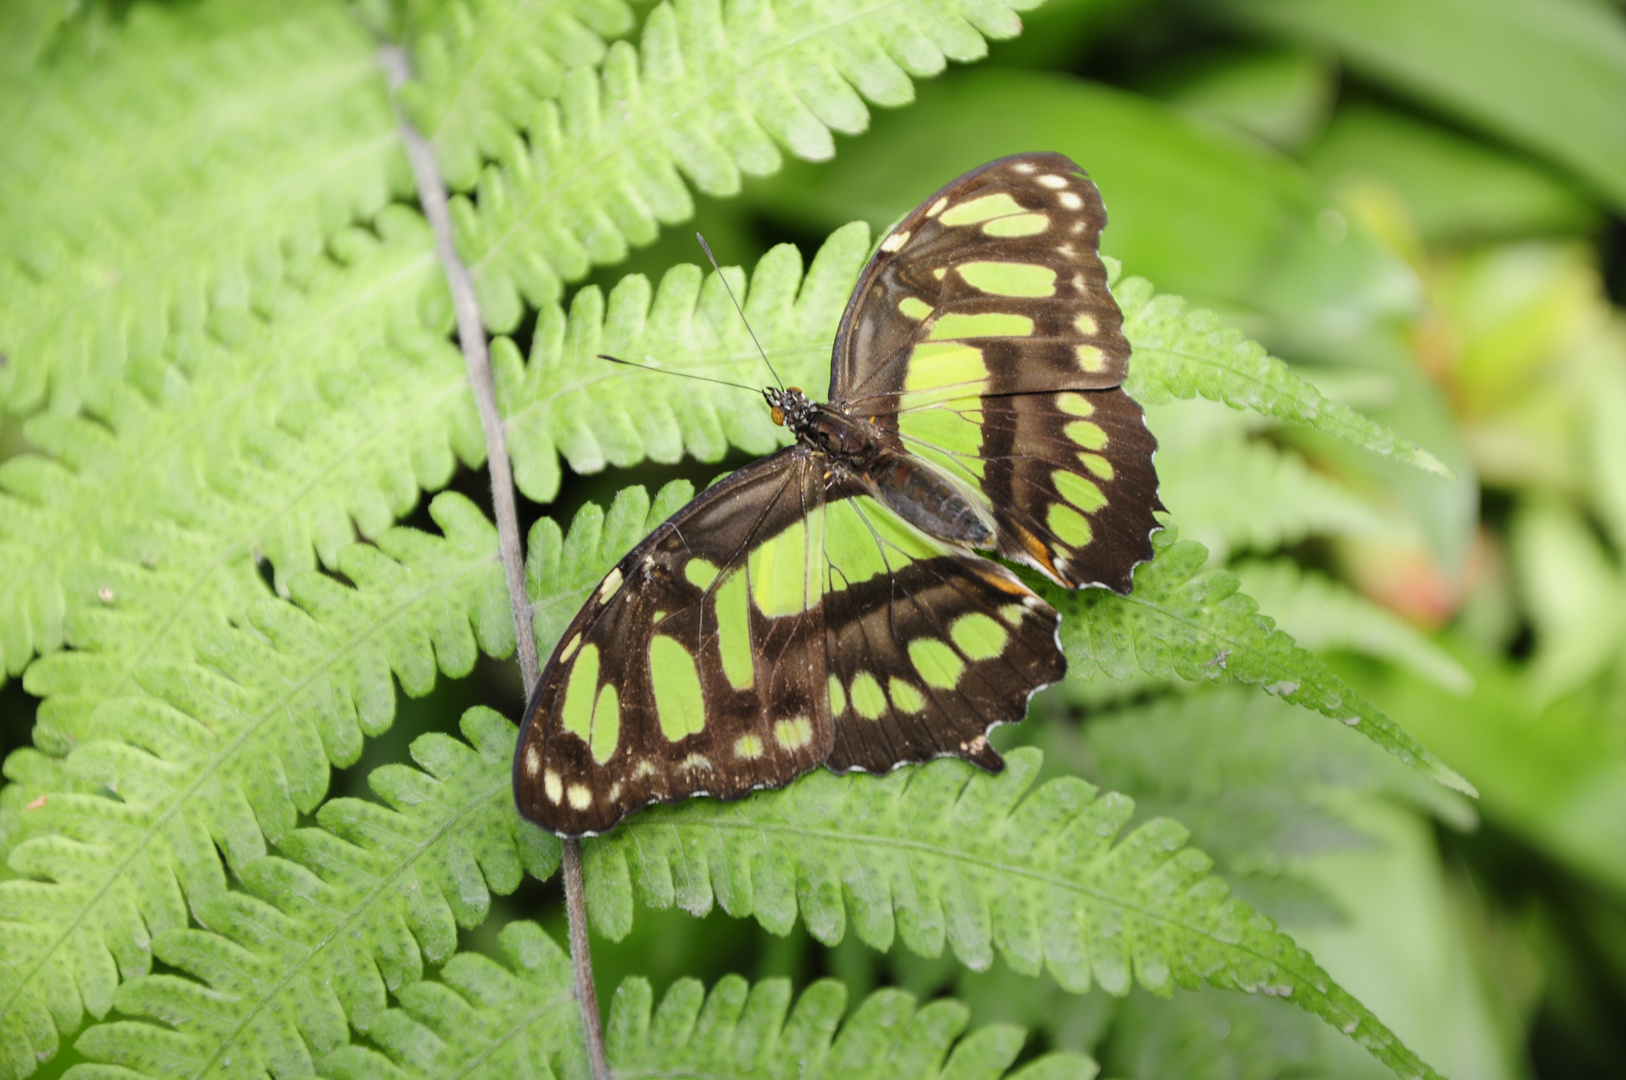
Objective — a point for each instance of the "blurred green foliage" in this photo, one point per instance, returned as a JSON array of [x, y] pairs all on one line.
[[1419, 204]]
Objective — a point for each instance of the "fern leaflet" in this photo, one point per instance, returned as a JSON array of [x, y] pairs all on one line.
[[1197, 626], [707, 94]]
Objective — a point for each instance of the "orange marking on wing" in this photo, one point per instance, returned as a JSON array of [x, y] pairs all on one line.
[[1040, 553]]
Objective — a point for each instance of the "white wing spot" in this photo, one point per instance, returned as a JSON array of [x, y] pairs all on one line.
[[612, 582], [1051, 180], [644, 769], [533, 760], [895, 241], [551, 787], [615, 791], [580, 797], [1070, 200], [1078, 227], [937, 207], [695, 761], [1023, 167]]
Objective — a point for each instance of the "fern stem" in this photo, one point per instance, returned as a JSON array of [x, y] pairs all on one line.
[[472, 339]]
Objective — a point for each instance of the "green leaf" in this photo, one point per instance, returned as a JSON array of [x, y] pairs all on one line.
[[1234, 493], [1321, 613], [599, 169], [1182, 353], [1198, 210], [1181, 622], [1575, 595], [564, 401], [739, 1030], [225, 753], [1540, 75], [942, 854], [142, 531], [1456, 188], [301, 143], [483, 66]]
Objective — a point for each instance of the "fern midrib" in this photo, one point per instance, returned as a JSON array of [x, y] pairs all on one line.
[[834, 838], [649, 134], [488, 48], [543, 402], [183, 797], [356, 910], [229, 551], [183, 241], [516, 1031]]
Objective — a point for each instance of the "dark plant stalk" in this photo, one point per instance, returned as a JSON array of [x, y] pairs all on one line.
[[471, 336]]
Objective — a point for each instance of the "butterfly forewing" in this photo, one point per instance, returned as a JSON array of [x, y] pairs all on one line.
[[984, 337], [696, 666]]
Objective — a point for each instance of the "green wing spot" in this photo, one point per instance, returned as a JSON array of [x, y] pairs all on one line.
[[577, 714], [676, 677], [1009, 278], [1075, 404], [700, 573], [748, 747], [850, 547], [913, 307], [905, 696], [949, 438], [793, 734], [1098, 465], [986, 324], [838, 697], [868, 700], [937, 664], [934, 365], [734, 630], [780, 583], [1019, 225], [1069, 524], [1078, 491], [979, 636], [981, 209], [1086, 434], [606, 724]]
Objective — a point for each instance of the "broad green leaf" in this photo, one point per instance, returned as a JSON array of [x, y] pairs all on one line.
[[1200, 212], [1546, 76]]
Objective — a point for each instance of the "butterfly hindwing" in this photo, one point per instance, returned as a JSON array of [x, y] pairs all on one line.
[[927, 648], [696, 666]]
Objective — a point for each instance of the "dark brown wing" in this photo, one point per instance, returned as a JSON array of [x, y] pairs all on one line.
[[696, 666]]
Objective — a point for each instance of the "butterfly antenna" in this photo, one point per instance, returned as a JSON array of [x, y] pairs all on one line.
[[680, 374], [713, 259]]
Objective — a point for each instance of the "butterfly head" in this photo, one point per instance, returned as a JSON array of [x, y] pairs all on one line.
[[788, 407]]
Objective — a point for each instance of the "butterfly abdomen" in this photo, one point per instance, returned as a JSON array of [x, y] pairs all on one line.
[[927, 501]]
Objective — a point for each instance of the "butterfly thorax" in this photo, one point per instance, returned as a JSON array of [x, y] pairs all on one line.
[[861, 454]]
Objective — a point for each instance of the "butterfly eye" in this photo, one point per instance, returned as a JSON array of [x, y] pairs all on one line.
[[778, 415]]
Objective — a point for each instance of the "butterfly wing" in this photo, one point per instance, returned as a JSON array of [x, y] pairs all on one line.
[[983, 340], [926, 647], [695, 667]]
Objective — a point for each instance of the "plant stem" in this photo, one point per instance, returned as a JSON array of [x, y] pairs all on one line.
[[471, 336]]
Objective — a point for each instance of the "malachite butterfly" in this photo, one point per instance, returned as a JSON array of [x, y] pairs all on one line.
[[826, 605]]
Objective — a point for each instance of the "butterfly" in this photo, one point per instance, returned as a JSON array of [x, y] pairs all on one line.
[[828, 604]]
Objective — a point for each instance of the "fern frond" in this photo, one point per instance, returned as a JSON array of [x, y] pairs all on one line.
[[116, 232], [1248, 774], [1181, 353], [483, 67], [279, 975], [943, 854], [225, 755], [1182, 622], [1322, 613], [742, 1031], [226, 752], [265, 440], [707, 94], [566, 401], [1247, 494]]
